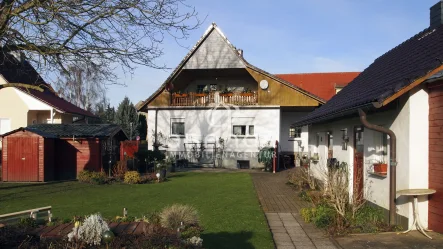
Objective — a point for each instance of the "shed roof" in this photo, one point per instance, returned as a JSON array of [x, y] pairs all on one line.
[[73, 130], [387, 78]]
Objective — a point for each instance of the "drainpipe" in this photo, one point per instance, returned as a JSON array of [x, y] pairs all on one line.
[[155, 145], [392, 163]]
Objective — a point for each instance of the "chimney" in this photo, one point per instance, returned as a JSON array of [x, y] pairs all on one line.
[[240, 52], [436, 16]]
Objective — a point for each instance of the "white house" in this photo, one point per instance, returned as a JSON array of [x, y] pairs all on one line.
[[22, 106], [400, 91], [215, 95]]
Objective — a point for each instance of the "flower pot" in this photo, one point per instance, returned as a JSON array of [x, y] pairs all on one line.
[[381, 168], [200, 94]]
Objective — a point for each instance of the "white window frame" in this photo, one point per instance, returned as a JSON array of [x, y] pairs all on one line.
[[297, 132], [178, 120]]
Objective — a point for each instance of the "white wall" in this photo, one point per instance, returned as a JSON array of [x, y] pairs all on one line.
[[288, 144], [209, 125], [410, 124]]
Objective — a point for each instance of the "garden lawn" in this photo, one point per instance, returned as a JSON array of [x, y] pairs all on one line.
[[227, 203]]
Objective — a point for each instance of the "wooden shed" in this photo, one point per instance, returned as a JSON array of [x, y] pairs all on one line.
[[48, 152]]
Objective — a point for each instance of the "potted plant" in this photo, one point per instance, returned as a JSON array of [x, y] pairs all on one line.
[[247, 93], [202, 93], [381, 167], [179, 94], [266, 156], [315, 158], [226, 93]]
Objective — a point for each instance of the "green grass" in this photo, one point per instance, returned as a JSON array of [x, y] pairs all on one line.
[[227, 203]]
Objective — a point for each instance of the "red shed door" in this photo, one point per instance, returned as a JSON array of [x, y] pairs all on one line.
[[23, 159], [435, 215]]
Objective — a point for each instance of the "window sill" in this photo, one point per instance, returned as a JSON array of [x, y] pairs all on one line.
[[294, 139], [377, 175], [177, 136], [242, 136]]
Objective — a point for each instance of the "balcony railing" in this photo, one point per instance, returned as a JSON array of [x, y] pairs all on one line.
[[214, 98]]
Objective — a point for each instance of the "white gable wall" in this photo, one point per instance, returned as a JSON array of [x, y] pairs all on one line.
[[410, 124], [215, 52]]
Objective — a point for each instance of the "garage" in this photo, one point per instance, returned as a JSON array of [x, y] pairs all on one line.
[[48, 152], [436, 156]]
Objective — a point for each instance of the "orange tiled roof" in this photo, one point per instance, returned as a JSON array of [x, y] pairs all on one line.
[[320, 84]]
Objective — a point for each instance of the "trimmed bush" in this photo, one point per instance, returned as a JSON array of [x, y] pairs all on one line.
[[92, 177], [132, 177], [173, 216], [324, 216]]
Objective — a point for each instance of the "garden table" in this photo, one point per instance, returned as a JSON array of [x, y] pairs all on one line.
[[415, 193]]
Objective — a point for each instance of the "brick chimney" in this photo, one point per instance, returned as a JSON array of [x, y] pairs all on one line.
[[436, 16]]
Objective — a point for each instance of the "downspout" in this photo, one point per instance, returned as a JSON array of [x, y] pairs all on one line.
[[155, 145], [392, 163]]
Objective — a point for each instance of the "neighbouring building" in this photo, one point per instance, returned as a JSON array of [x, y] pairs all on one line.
[[48, 152], [21, 106], [217, 103], [401, 90]]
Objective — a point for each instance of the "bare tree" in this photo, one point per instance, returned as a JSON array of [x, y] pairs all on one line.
[[55, 34], [82, 85]]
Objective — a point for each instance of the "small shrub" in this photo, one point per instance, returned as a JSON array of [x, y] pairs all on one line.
[[307, 214], [304, 196], [119, 170], [90, 231], [92, 177], [324, 216], [28, 222], [266, 156], [84, 176], [173, 216], [191, 231], [132, 177], [153, 218], [369, 219]]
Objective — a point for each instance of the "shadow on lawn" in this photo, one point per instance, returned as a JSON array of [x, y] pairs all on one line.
[[227, 240]]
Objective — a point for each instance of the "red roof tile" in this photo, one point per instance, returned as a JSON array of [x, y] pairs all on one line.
[[320, 84]]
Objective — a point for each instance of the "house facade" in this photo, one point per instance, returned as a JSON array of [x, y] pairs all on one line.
[[21, 106], [216, 109], [399, 93]]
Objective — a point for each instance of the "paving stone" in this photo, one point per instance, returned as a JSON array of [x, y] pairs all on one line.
[[305, 247], [286, 247]]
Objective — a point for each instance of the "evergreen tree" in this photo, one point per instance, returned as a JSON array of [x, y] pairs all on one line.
[[125, 116], [142, 127]]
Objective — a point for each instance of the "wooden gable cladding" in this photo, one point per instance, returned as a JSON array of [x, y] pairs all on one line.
[[162, 99], [280, 94]]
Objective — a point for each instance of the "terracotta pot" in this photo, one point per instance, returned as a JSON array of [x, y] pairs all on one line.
[[381, 168]]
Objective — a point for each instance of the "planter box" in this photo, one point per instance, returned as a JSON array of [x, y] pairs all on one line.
[[246, 94], [201, 94], [226, 94], [381, 168], [180, 95]]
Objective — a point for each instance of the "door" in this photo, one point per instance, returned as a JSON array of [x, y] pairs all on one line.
[[358, 162], [22, 159]]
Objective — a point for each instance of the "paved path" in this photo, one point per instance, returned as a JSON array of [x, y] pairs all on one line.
[[281, 206]]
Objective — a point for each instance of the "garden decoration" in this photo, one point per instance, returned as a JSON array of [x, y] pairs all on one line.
[[158, 177], [108, 237]]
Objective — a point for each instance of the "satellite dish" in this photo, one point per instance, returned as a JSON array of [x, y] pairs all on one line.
[[264, 84]]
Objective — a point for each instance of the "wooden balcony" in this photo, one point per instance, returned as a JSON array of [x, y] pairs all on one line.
[[214, 98]]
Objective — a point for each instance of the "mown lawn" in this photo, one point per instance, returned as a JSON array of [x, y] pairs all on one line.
[[227, 203]]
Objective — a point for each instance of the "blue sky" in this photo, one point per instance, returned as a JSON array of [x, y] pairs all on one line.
[[292, 36]]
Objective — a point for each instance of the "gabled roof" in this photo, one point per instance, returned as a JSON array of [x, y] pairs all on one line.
[[55, 101], [15, 71], [320, 84], [242, 63], [388, 77]]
